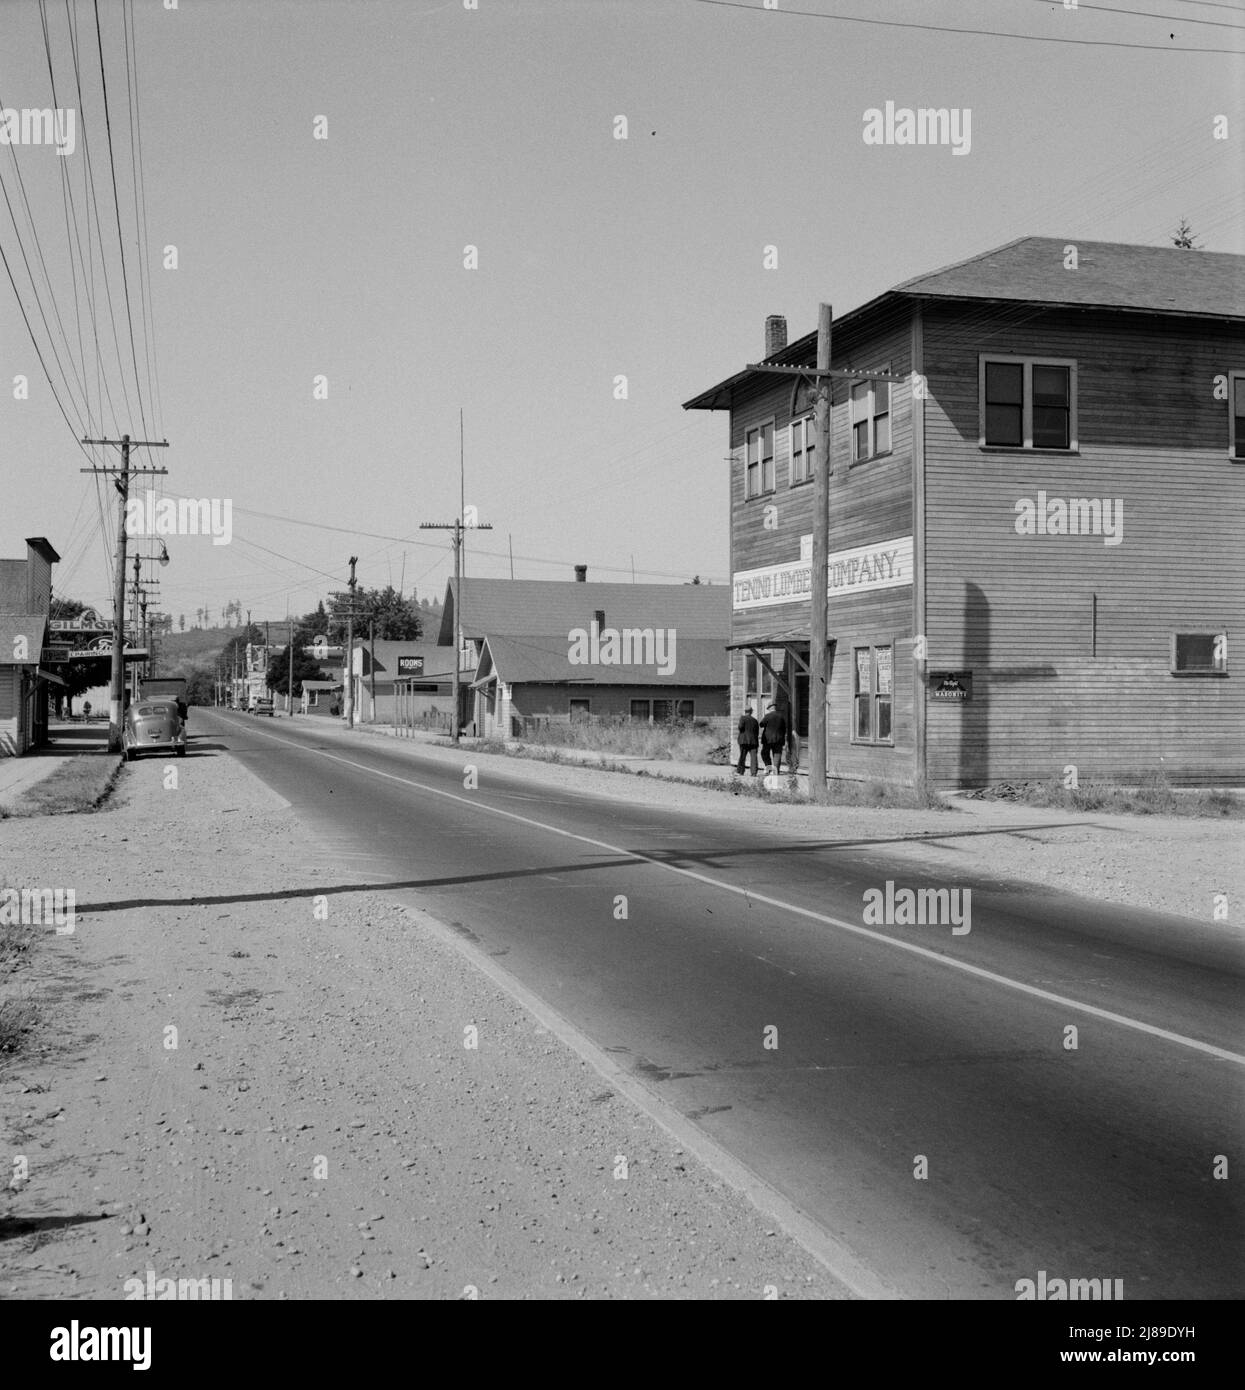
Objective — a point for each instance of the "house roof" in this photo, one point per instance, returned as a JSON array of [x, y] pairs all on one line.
[[31, 626], [545, 659], [1109, 275], [551, 607]]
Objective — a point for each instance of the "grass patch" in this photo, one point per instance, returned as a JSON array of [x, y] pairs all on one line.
[[673, 741], [17, 1014], [876, 794], [1153, 796], [81, 784]]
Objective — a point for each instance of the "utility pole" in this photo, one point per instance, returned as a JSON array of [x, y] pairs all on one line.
[[122, 484], [371, 675], [824, 375], [457, 527], [348, 702], [289, 663]]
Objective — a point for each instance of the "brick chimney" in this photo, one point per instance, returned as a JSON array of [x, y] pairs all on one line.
[[581, 574], [775, 334]]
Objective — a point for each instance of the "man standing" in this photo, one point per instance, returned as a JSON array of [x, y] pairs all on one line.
[[749, 736], [773, 738]]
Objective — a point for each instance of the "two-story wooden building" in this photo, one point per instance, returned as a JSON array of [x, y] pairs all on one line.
[[1035, 553]]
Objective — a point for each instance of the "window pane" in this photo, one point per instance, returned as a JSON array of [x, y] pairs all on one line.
[[862, 716], [1195, 651], [860, 400], [639, 709], [754, 441], [661, 710], [1050, 428], [1005, 383], [885, 670], [884, 717], [1004, 424], [1050, 386], [687, 709], [860, 440], [864, 670], [882, 396], [767, 441], [882, 434]]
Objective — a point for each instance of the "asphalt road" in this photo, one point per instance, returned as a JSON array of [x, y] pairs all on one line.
[[744, 987]]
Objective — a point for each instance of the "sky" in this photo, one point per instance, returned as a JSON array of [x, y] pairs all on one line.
[[597, 258]]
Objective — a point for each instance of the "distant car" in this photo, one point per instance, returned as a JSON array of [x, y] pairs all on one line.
[[153, 725], [262, 706]]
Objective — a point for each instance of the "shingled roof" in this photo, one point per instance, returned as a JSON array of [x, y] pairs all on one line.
[[1110, 275], [545, 659], [551, 607]]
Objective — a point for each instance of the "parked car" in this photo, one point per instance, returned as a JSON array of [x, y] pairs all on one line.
[[261, 705], [153, 725]]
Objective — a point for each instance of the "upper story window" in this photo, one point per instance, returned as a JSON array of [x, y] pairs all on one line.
[[1028, 402], [759, 460], [871, 418], [1236, 415], [803, 449], [803, 430]]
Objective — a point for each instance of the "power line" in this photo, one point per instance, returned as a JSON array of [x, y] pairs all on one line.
[[984, 33], [1149, 14]]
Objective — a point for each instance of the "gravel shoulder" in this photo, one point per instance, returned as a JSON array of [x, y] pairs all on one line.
[[228, 1083]]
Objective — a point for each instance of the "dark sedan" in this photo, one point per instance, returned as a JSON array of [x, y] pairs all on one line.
[[155, 725]]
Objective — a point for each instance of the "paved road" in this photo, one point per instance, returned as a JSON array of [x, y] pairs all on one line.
[[893, 1042]]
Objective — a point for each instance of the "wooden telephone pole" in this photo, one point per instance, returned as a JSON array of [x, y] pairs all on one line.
[[824, 375], [457, 527], [122, 484]]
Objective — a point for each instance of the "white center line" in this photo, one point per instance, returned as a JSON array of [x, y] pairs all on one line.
[[948, 961]]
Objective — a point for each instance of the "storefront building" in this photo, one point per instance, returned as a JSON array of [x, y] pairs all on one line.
[[1034, 538]]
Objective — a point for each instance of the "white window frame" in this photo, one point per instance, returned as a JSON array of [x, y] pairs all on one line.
[[1026, 428], [1217, 667], [871, 415], [1236, 447], [874, 696], [757, 431], [807, 427]]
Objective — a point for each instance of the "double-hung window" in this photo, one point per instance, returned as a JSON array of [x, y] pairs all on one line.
[[1236, 415], [1027, 402], [759, 460], [873, 694], [803, 449], [871, 418]]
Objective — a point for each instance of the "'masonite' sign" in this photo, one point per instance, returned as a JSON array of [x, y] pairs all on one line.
[[883, 565]]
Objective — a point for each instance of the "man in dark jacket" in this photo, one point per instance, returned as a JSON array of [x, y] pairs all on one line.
[[749, 737], [773, 738]]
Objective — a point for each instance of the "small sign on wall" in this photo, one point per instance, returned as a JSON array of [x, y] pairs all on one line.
[[410, 665], [951, 685]]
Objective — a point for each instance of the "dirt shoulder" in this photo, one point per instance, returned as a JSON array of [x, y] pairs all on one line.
[[224, 1085], [1167, 864]]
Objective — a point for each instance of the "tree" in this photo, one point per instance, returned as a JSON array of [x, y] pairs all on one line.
[[1184, 237], [397, 619], [181, 622], [200, 684], [306, 668]]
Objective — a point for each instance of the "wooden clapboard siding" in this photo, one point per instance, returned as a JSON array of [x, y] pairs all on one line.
[[1017, 609], [870, 501]]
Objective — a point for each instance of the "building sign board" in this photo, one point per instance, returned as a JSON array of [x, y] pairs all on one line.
[[881, 565], [951, 685], [410, 665]]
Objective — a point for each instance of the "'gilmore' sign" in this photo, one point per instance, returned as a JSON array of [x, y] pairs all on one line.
[[882, 565]]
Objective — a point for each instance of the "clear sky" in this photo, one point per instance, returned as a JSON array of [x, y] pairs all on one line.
[[598, 257]]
